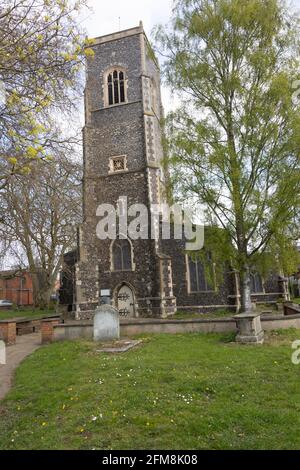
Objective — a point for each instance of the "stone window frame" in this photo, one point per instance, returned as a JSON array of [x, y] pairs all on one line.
[[111, 70], [115, 158], [214, 281], [253, 275], [112, 269]]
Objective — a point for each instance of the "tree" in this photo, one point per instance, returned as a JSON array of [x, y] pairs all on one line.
[[40, 213], [42, 48], [234, 143]]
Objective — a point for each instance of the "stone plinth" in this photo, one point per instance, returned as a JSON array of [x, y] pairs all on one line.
[[106, 323], [249, 328]]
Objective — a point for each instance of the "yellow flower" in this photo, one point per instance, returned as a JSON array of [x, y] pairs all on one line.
[[25, 170], [13, 160], [89, 52], [31, 152]]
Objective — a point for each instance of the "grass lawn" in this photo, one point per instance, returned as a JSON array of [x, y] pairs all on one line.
[[190, 391], [181, 315], [24, 313]]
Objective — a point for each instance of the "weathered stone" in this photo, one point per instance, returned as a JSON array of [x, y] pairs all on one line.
[[106, 323], [158, 281], [249, 328], [289, 308], [120, 346]]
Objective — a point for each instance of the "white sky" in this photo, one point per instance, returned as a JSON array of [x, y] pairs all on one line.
[[109, 16]]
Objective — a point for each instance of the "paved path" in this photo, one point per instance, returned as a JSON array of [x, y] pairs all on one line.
[[25, 345]]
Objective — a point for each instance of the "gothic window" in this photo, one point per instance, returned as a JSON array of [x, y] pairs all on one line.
[[198, 277], [116, 87], [121, 255], [256, 284]]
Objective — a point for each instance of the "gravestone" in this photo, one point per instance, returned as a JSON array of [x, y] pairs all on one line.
[[106, 323], [2, 353], [249, 328]]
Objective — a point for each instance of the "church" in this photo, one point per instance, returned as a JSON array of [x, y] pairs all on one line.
[[123, 155]]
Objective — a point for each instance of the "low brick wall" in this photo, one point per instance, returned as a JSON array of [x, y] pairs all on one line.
[[27, 326], [47, 330], [84, 328], [8, 331]]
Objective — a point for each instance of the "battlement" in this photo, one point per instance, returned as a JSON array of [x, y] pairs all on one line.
[[120, 34]]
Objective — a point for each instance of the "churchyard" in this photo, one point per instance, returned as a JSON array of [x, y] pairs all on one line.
[[166, 238], [191, 391]]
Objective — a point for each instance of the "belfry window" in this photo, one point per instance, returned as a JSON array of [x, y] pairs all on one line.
[[116, 87], [121, 255]]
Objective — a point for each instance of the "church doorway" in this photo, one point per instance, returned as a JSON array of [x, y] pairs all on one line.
[[125, 299]]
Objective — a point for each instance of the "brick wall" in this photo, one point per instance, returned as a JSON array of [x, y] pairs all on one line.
[[8, 332], [17, 289], [47, 330]]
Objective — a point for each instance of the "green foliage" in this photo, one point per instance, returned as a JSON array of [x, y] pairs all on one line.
[[217, 254], [42, 49], [234, 141], [27, 313]]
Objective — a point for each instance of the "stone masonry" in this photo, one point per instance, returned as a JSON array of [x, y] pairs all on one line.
[[130, 129], [123, 157]]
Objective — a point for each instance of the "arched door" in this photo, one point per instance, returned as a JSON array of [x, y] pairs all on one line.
[[125, 301]]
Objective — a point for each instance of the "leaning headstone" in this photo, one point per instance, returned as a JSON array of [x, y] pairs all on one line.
[[249, 328], [106, 323]]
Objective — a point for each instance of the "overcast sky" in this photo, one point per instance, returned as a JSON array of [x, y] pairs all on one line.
[[110, 16]]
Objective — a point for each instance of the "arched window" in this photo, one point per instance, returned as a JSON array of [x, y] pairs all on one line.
[[116, 87], [121, 255], [256, 284], [198, 280]]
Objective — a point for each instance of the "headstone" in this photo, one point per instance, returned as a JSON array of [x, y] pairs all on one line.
[[249, 328], [106, 323], [2, 353]]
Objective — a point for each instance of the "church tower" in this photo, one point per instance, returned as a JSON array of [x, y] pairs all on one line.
[[123, 156]]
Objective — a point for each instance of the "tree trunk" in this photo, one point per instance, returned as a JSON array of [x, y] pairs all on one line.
[[246, 304], [41, 290]]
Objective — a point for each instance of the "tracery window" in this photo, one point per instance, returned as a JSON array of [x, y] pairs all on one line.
[[118, 163], [199, 278], [256, 283], [116, 87], [121, 255]]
